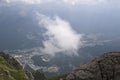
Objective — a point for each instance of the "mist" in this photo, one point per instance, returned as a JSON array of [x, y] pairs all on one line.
[[59, 36]]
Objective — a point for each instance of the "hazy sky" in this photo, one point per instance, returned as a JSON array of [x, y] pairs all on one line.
[[65, 21], [72, 2], [63, 2]]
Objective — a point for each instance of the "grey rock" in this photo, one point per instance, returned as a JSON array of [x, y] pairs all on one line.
[[29, 75], [11, 60], [106, 67], [6, 72]]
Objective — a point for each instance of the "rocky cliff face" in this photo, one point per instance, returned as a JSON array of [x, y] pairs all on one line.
[[11, 60], [106, 67], [10, 69]]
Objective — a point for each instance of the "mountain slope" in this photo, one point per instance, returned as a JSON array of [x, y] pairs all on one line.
[[106, 67], [10, 69]]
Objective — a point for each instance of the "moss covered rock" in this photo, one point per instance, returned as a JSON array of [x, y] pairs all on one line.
[[10, 69]]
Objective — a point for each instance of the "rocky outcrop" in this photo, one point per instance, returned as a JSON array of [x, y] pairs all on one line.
[[10, 69], [11, 60], [29, 75], [38, 75], [106, 67]]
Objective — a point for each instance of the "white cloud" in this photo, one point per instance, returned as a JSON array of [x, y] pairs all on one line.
[[63, 2], [74, 2], [23, 1], [92, 2], [32, 1], [59, 36]]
